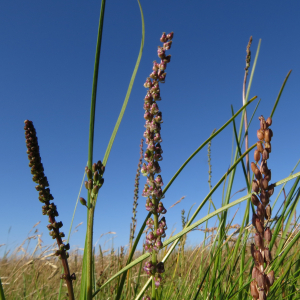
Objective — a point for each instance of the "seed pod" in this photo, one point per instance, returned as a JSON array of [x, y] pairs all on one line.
[[268, 175], [261, 281], [268, 147], [267, 136], [255, 273], [256, 171], [269, 122], [255, 186], [260, 134], [262, 295], [263, 167], [260, 212], [254, 199], [263, 124], [86, 185], [264, 184], [90, 184], [268, 212], [271, 277], [82, 201], [268, 235], [256, 155], [88, 173], [268, 257], [260, 147], [259, 226], [265, 154], [259, 243], [258, 257], [253, 290], [94, 167], [271, 189], [264, 198], [96, 175]]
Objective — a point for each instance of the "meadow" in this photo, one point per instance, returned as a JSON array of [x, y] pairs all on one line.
[[257, 258]]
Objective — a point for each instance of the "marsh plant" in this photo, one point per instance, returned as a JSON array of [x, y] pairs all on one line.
[[230, 263]]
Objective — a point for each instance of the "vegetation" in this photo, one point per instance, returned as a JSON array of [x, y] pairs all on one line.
[[258, 259]]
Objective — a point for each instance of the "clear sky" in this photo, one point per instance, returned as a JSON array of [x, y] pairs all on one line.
[[46, 69]]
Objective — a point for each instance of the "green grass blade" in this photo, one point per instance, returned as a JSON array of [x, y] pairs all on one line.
[[112, 138], [86, 279], [280, 92]]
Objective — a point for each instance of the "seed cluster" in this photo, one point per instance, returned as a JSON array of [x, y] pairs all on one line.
[[49, 209], [261, 186], [152, 190], [94, 183], [136, 192]]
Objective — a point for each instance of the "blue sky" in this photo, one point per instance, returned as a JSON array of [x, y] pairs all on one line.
[[47, 60]]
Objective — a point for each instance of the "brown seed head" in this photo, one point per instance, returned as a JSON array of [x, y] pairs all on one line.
[[268, 147], [260, 134], [271, 189], [267, 136], [269, 122], [258, 258], [256, 155], [255, 186], [260, 212], [260, 147], [271, 277], [259, 226], [255, 273], [253, 290], [268, 257], [268, 235], [254, 199], [261, 281], [262, 295], [268, 212], [265, 154], [259, 243], [264, 184]]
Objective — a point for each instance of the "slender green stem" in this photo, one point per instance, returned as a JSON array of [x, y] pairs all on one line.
[[89, 235]]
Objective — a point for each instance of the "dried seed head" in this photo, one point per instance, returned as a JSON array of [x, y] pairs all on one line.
[[259, 243], [271, 189], [267, 254], [256, 171], [255, 186], [268, 235], [268, 136], [254, 199], [255, 273], [269, 122], [260, 134], [264, 167], [262, 295], [261, 281], [268, 147], [268, 175], [259, 226], [264, 197], [253, 290], [264, 184], [260, 212], [256, 155], [271, 277], [260, 147], [265, 154], [258, 258], [263, 124], [268, 212]]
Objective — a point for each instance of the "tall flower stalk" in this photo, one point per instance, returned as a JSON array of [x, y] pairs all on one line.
[[156, 226], [45, 196], [261, 254]]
